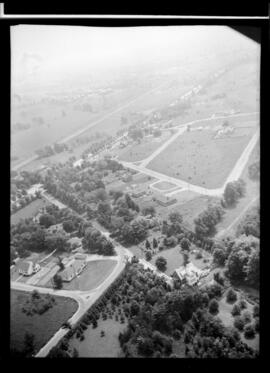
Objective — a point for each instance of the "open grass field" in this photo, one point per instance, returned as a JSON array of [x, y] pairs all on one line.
[[198, 158], [42, 326], [175, 259], [227, 319], [92, 276], [138, 152], [29, 211], [96, 346]]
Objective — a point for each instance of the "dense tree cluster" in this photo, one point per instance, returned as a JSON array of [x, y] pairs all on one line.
[[250, 224], [243, 261], [207, 220], [233, 191], [95, 242]]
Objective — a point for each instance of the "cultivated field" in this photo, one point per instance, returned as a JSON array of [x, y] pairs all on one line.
[[44, 326], [29, 211], [96, 346], [200, 159], [92, 276]]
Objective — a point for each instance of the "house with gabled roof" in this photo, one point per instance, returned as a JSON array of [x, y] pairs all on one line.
[[28, 268]]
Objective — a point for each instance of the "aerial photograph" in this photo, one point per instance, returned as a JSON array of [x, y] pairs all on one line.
[[134, 192]]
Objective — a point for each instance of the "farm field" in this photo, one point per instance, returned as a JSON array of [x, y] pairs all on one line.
[[227, 319], [92, 276], [243, 84], [96, 346], [198, 158], [44, 326], [29, 211], [138, 152], [56, 126]]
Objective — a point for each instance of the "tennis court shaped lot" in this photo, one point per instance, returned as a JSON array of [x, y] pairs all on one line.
[[92, 276], [199, 158]]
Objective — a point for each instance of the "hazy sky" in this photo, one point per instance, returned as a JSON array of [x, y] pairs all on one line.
[[46, 51]]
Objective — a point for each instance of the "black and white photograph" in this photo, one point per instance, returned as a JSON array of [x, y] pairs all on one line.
[[134, 191]]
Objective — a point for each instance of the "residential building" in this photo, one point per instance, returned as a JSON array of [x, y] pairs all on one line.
[[163, 200], [73, 270], [139, 191], [27, 268], [190, 274]]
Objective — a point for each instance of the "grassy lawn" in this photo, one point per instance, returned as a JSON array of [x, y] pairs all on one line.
[[29, 211], [96, 346], [164, 185], [92, 276], [228, 320], [137, 152], [175, 259], [42, 326], [200, 159]]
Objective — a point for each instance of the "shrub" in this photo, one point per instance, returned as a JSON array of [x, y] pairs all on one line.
[[236, 310], [231, 296], [249, 331], [256, 311], [177, 334], [213, 307], [246, 317], [242, 304], [239, 323]]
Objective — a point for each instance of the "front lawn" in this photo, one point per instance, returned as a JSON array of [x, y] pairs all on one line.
[[92, 276], [29, 211], [96, 346], [44, 326]]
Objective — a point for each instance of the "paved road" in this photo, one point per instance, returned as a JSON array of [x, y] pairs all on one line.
[[234, 175], [226, 230]]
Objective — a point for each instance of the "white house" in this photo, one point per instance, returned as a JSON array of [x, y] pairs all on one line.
[[73, 270], [191, 274], [27, 268]]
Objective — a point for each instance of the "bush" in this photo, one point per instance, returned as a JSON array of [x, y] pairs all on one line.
[[199, 255], [236, 310], [242, 304], [213, 307], [249, 331], [231, 296], [239, 323], [177, 334], [246, 317], [256, 311]]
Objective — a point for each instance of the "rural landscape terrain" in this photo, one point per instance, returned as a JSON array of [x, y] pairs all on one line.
[[135, 193]]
